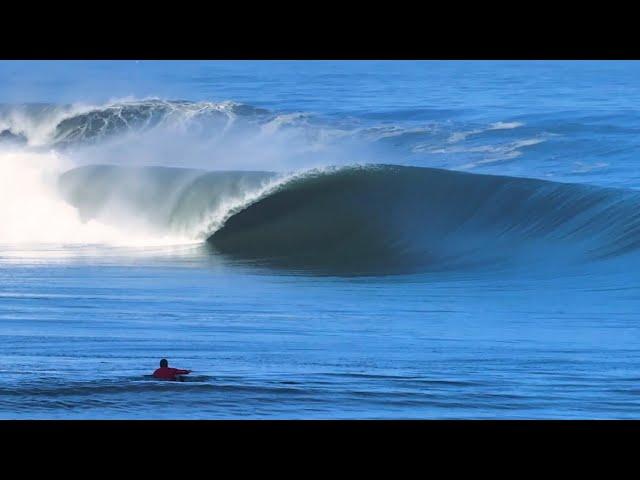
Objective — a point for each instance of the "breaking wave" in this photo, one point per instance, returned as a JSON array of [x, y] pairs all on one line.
[[60, 126], [72, 185], [368, 219]]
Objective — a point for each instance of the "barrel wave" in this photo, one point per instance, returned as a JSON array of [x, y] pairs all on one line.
[[361, 220]]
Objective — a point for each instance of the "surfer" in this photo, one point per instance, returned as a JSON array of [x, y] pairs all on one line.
[[166, 373]]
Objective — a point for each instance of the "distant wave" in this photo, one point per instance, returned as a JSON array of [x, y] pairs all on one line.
[[64, 125], [371, 219]]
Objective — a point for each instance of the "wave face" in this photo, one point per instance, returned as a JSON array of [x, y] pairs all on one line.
[[367, 220], [407, 219]]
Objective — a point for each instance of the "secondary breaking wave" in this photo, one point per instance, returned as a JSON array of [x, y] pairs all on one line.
[[65, 125], [372, 219]]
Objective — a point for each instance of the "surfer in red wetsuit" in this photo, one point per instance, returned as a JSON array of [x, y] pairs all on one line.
[[166, 373]]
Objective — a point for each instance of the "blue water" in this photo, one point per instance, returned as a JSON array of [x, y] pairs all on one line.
[[393, 292]]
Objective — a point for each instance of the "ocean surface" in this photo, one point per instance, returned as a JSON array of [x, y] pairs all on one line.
[[320, 240]]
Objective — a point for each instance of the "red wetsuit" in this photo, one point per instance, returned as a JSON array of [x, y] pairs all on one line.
[[167, 373]]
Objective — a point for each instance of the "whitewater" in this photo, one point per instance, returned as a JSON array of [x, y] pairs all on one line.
[[320, 239]]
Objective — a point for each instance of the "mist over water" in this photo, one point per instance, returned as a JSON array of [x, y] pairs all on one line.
[[320, 239], [42, 142], [311, 203]]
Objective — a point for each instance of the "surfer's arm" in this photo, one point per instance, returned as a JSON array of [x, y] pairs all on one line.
[[181, 372]]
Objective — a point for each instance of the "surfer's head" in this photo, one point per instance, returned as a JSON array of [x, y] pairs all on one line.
[[164, 363]]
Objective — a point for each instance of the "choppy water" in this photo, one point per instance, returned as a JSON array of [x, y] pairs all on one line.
[[319, 239]]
